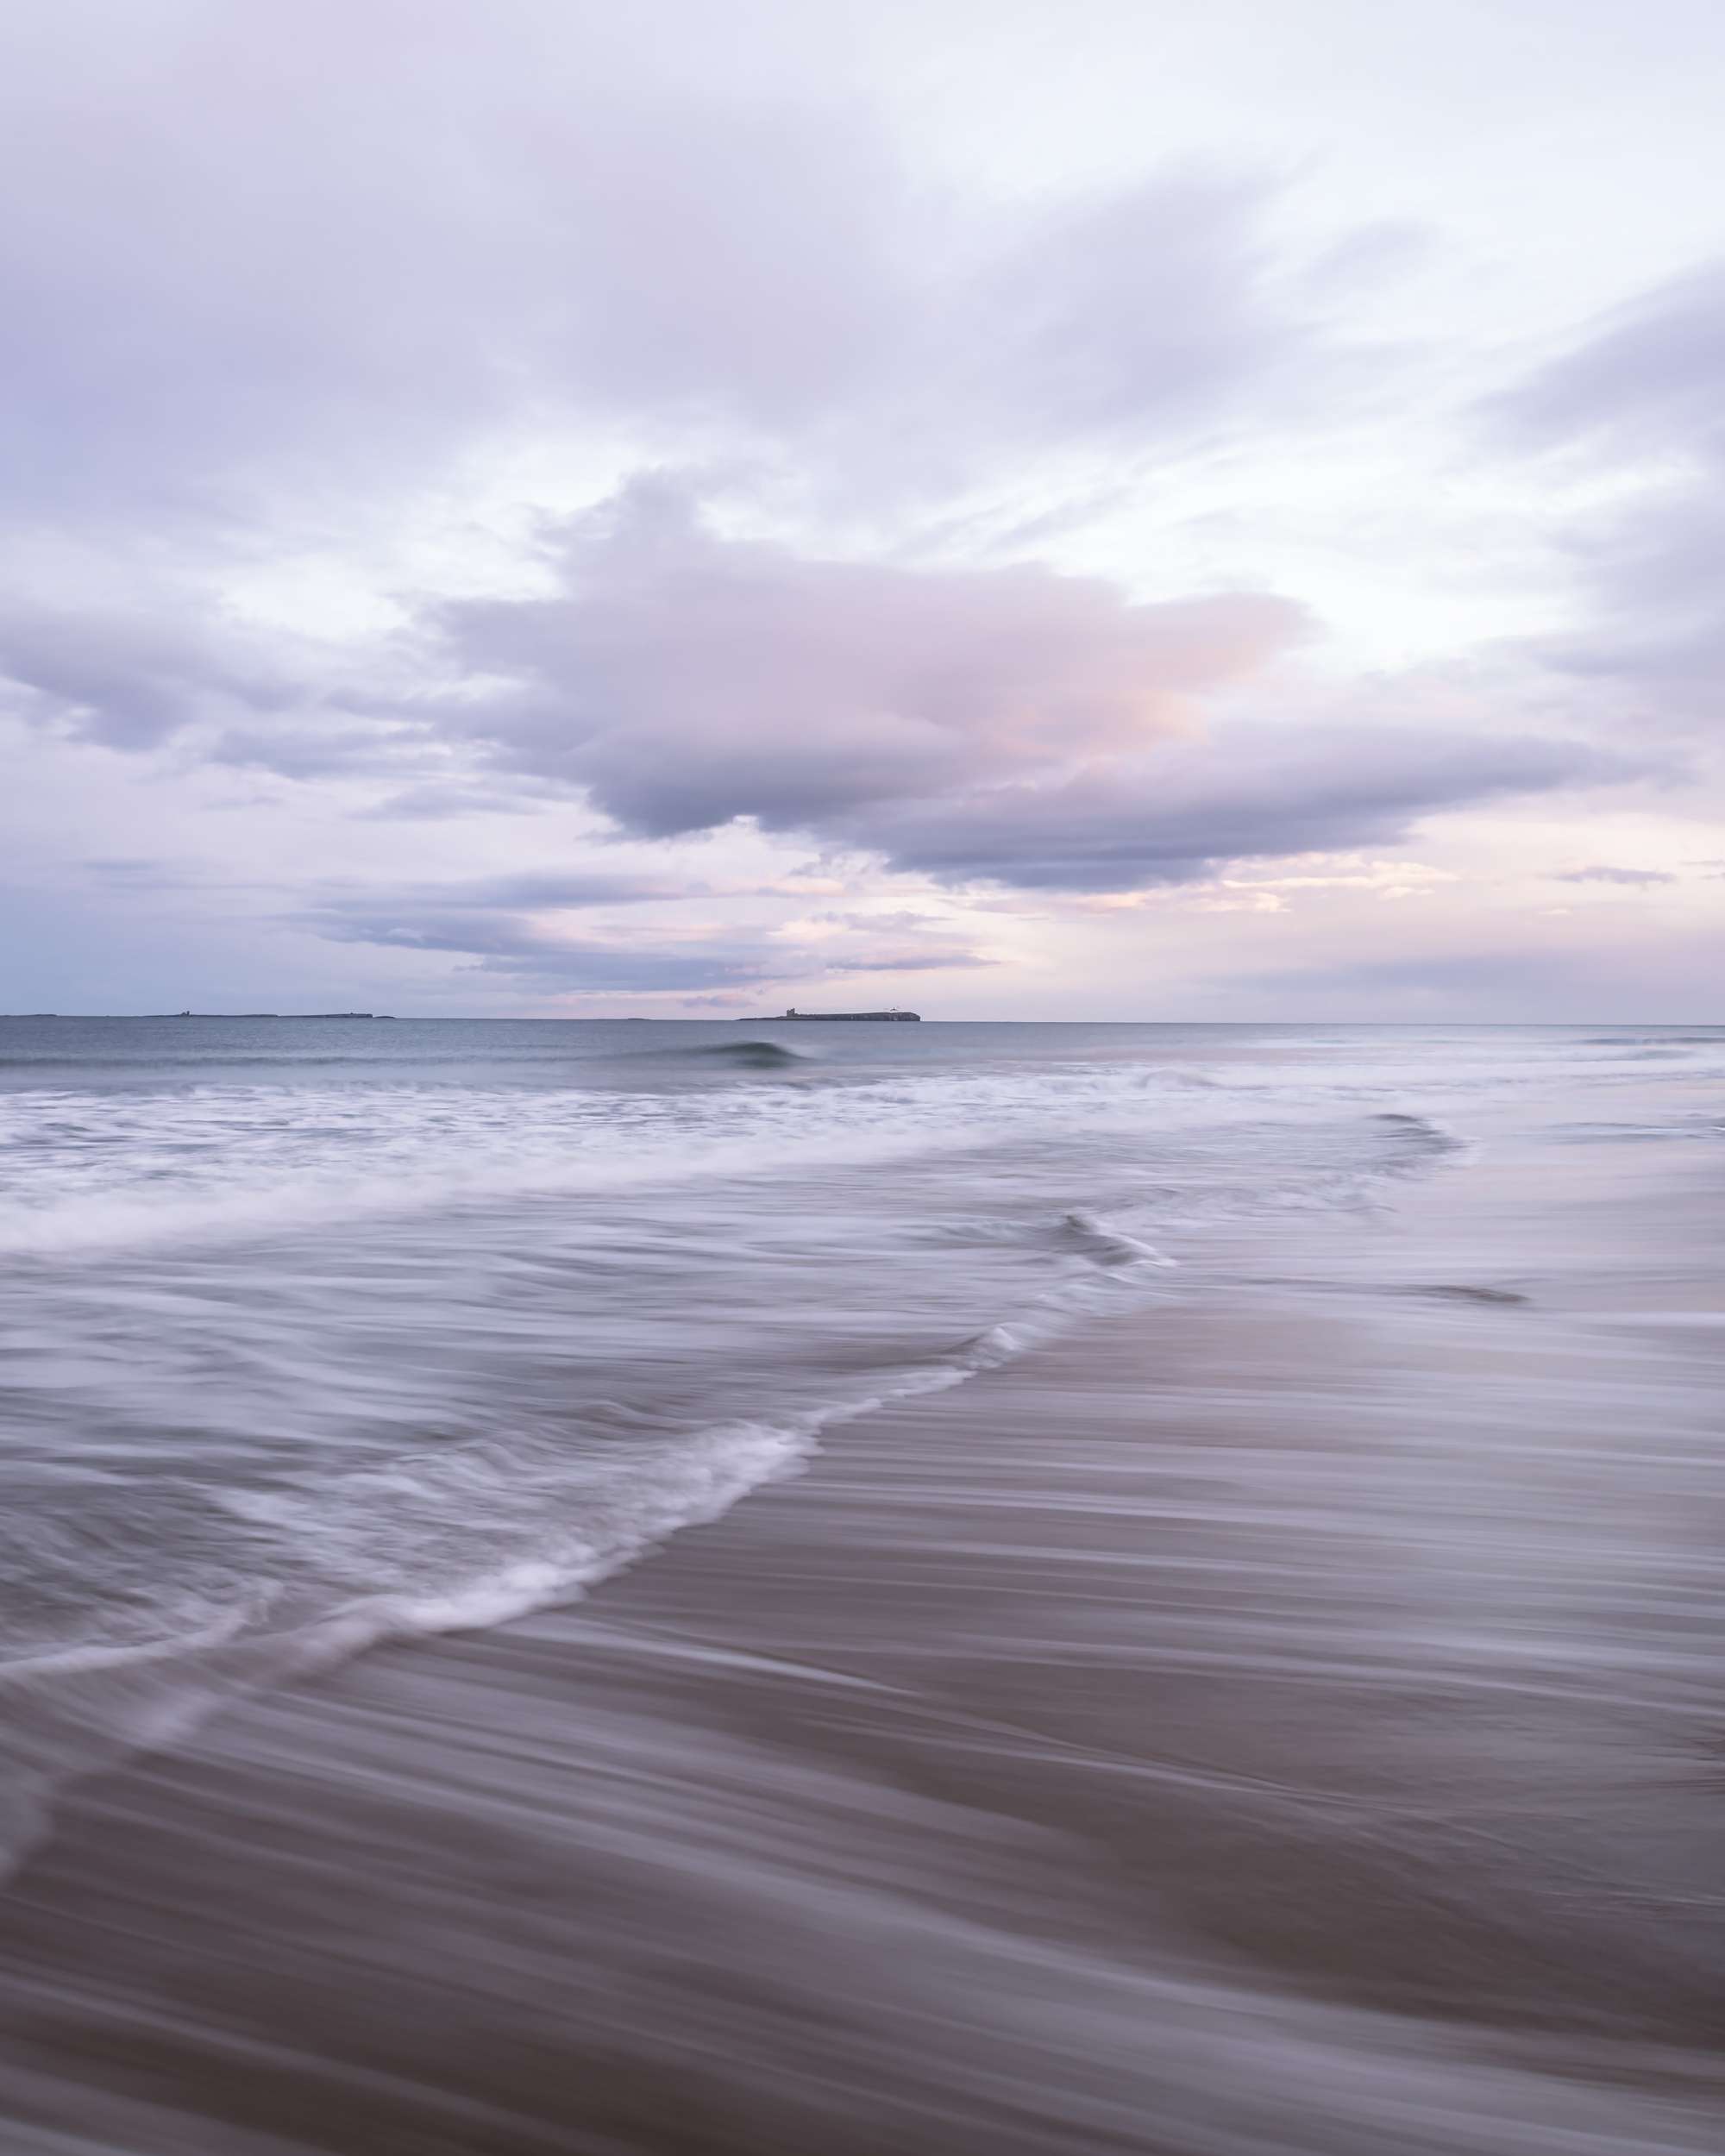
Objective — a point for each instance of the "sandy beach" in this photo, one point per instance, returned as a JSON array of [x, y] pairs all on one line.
[[1251, 1724]]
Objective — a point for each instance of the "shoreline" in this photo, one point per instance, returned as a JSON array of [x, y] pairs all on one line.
[[1162, 1743]]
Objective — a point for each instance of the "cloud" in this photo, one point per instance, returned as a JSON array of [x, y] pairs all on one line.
[[1629, 877], [526, 949], [512, 926], [684, 679], [1008, 725], [1638, 397], [499, 921], [138, 872], [541, 890], [943, 960], [1249, 793], [257, 252], [447, 800], [1134, 318], [1646, 377], [275, 283], [1652, 572], [130, 681], [245, 242], [300, 318]]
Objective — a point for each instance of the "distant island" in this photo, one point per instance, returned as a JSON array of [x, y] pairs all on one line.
[[849, 1018]]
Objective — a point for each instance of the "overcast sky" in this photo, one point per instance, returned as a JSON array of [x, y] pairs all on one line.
[[1116, 509]]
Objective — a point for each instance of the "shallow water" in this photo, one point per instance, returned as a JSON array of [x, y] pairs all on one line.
[[1238, 1670]]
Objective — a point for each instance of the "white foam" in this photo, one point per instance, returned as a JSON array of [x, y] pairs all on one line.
[[96, 1171]]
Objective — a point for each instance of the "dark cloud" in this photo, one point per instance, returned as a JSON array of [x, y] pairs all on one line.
[[1629, 877]]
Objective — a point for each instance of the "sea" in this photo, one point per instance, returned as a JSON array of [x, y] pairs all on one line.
[[747, 1588]]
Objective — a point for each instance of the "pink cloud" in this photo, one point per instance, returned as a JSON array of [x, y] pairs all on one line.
[[685, 679]]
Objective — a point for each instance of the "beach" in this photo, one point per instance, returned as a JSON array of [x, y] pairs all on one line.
[[1237, 1670]]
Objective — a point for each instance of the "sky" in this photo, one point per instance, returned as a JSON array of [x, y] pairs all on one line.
[[1126, 509]]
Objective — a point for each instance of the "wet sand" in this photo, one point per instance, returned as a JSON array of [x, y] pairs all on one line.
[[1285, 1719]]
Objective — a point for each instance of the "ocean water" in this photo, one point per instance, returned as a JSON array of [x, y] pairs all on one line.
[[1251, 1492]]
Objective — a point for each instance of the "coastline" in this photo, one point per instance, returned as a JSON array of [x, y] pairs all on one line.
[[1208, 1733]]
